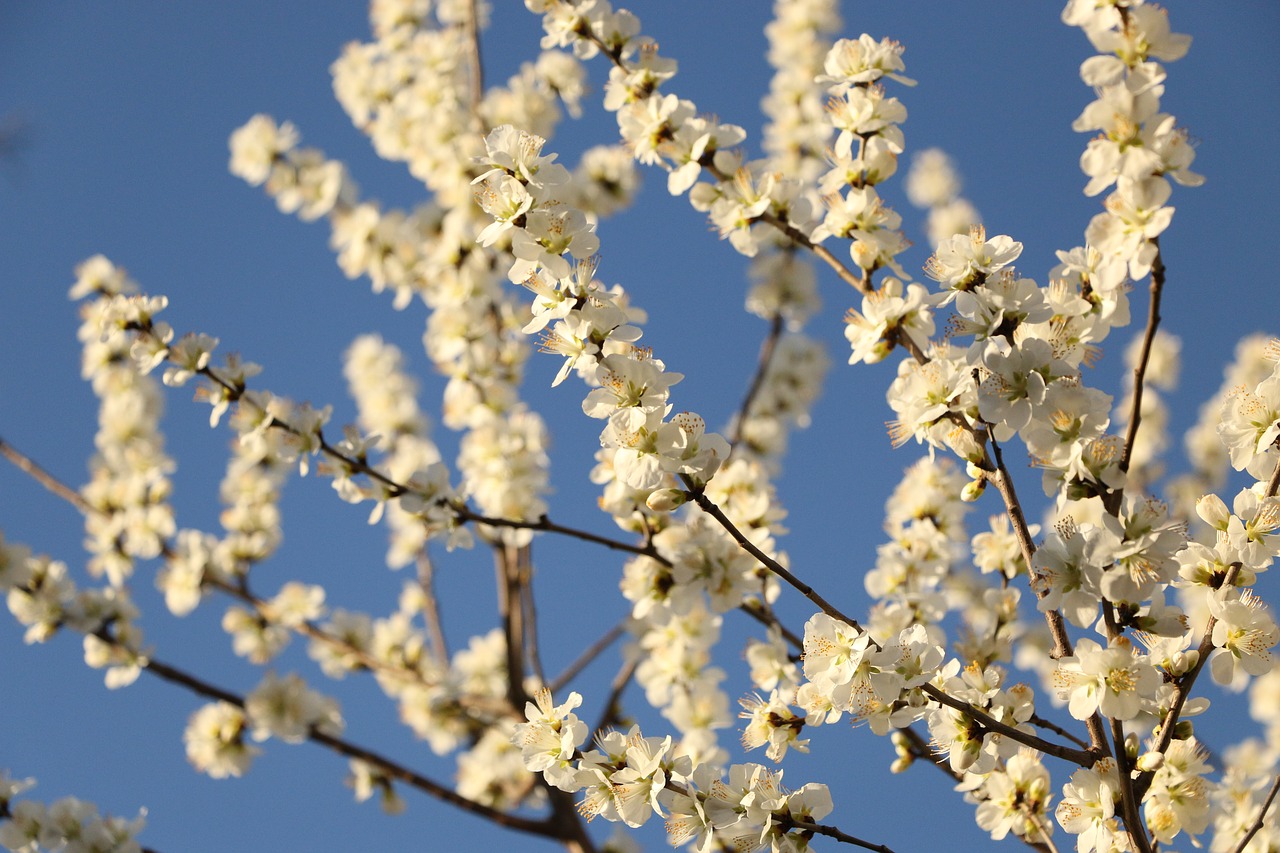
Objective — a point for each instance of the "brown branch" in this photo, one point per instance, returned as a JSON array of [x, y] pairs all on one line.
[[832, 832], [767, 349], [1182, 686], [546, 525], [1139, 372], [611, 713], [524, 567], [1053, 618], [388, 767], [508, 574], [28, 466], [1080, 757], [588, 655], [1133, 823], [475, 66], [1040, 722], [431, 608], [765, 616], [1273, 484], [709, 507], [1261, 819]]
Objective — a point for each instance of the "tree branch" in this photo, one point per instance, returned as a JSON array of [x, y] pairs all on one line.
[[27, 466], [588, 655], [767, 348], [1260, 821], [391, 769], [1140, 371], [708, 506]]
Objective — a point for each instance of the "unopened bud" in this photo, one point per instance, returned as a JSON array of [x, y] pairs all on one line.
[[1213, 511], [665, 500], [973, 490], [1150, 761]]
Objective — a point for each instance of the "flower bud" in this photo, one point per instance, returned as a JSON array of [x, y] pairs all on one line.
[[973, 490], [665, 500], [1213, 511], [1150, 761]]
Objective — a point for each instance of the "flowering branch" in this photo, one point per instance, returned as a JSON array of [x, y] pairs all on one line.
[[392, 769]]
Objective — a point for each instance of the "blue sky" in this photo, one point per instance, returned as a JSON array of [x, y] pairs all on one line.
[[125, 109]]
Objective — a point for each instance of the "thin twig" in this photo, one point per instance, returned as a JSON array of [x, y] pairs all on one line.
[[1080, 757], [1053, 618], [1083, 758], [544, 524], [767, 349], [1046, 840], [590, 654], [524, 567], [1261, 819], [1139, 372], [25, 464], [1182, 686], [765, 616], [1040, 722], [833, 832], [388, 767], [431, 608], [474, 64], [240, 591], [709, 507], [611, 713]]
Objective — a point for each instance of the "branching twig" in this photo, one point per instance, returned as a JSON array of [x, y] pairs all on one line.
[[765, 616], [1080, 757]]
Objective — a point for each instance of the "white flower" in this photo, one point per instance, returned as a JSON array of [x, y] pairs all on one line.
[[1114, 680], [215, 741], [257, 145], [1242, 635], [287, 709]]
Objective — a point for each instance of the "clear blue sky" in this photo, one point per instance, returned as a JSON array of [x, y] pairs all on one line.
[[125, 109]]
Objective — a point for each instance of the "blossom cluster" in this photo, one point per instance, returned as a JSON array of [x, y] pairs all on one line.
[[630, 778], [69, 825]]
